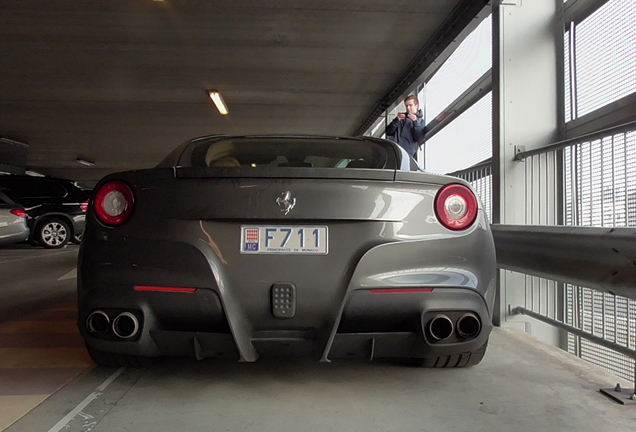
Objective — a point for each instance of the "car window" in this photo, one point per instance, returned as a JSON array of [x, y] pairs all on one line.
[[5, 201], [33, 188], [286, 152]]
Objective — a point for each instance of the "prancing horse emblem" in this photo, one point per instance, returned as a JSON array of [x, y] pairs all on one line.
[[286, 201]]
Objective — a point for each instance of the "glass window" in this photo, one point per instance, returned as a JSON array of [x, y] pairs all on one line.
[[466, 141], [17, 188], [286, 152], [605, 57], [467, 64]]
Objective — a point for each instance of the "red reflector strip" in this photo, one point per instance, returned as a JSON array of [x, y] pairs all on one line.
[[165, 289], [400, 290]]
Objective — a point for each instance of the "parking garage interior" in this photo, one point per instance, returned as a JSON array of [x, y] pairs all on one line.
[[531, 102]]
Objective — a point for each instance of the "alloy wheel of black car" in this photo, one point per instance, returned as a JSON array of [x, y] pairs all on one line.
[[77, 239], [455, 361], [53, 233]]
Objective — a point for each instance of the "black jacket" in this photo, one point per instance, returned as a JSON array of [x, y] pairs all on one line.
[[407, 133]]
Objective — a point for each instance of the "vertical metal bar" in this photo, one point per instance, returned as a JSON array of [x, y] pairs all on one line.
[[573, 87], [613, 187], [603, 316], [537, 183], [629, 327], [590, 168], [615, 321], [626, 192], [574, 160], [579, 307], [539, 291]]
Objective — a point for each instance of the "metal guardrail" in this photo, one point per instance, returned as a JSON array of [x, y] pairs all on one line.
[[578, 277], [599, 258]]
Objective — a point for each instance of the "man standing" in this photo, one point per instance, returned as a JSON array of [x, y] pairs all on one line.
[[407, 129]]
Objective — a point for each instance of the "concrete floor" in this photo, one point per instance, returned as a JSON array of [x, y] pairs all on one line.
[[522, 385], [47, 379]]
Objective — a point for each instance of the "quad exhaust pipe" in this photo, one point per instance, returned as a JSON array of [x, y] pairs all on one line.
[[125, 325], [440, 327], [98, 322], [468, 325]]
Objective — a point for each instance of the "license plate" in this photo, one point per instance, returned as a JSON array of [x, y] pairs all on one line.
[[284, 239]]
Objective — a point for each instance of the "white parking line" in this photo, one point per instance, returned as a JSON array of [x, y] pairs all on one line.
[[91, 397]]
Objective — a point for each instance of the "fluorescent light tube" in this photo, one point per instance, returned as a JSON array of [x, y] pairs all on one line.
[[84, 162], [218, 101]]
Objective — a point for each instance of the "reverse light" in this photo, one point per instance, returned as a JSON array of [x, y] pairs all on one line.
[[456, 207], [19, 213], [114, 203]]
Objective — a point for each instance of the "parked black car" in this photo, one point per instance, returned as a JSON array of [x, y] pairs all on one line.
[[56, 208]]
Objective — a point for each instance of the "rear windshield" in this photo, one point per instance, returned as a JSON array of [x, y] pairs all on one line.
[[285, 152]]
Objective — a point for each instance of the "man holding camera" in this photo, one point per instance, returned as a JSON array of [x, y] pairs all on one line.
[[408, 128]]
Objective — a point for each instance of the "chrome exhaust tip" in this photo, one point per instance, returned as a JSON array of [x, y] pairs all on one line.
[[125, 325], [440, 327], [97, 322], [468, 325]]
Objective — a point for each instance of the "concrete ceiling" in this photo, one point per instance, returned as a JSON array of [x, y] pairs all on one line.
[[122, 83]]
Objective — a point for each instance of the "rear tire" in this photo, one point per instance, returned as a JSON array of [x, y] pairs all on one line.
[[117, 360], [53, 233], [456, 360]]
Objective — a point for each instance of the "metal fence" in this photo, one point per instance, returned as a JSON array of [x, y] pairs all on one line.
[[587, 183], [600, 191], [480, 178], [592, 183]]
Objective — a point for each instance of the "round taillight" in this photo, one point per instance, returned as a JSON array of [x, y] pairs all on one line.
[[114, 203], [456, 206]]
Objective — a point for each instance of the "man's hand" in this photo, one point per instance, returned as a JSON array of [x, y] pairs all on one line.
[[401, 116], [413, 117]]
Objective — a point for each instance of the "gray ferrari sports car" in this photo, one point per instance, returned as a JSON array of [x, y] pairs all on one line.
[[247, 246]]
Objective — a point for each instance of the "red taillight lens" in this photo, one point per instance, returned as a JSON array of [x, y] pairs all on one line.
[[84, 206], [456, 207], [114, 203], [400, 290], [19, 213], [165, 289]]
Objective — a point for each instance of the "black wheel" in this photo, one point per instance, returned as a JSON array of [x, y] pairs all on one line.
[[117, 360], [456, 360], [53, 233]]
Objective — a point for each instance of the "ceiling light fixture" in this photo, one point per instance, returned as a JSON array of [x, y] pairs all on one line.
[[218, 101], [85, 162]]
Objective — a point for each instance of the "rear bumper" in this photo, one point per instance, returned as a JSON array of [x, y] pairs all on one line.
[[18, 236], [369, 326]]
